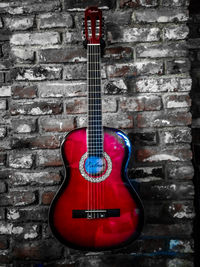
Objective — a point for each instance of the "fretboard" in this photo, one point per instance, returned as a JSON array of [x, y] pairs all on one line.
[[94, 134]]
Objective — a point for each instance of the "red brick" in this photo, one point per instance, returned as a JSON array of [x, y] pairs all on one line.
[[72, 54], [18, 198], [76, 106], [58, 124], [135, 69], [47, 197], [3, 242], [118, 53], [129, 3], [176, 101], [24, 91], [140, 103]]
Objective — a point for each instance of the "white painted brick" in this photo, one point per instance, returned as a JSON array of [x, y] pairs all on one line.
[[5, 91], [42, 38], [162, 15], [175, 32], [55, 20], [176, 101], [22, 54], [140, 34], [2, 132], [23, 23], [1, 24], [39, 74], [62, 89], [2, 104], [18, 161], [169, 84], [185, 84], [161, 50]]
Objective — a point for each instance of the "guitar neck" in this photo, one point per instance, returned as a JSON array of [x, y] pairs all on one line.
[[94, 134]]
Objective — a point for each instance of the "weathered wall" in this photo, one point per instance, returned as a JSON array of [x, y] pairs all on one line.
[[146, 83], [194, 52]]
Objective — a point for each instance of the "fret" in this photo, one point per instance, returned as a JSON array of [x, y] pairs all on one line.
[[100, 131], [93, 85], [91, 78], [96, 119], [90, 147]]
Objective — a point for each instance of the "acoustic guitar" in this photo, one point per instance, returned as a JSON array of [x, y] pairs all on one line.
[[96, 208]]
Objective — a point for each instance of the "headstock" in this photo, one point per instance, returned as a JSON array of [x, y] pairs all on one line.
[[93, 26]]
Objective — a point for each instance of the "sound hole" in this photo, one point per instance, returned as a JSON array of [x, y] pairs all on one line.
[[95, 169], [95, 165]]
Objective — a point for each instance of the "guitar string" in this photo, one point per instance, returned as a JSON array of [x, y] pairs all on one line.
[[92, 81], [95, 121], [93, 118], [97, 109], [95, 112], [100, 132], [88, 58]]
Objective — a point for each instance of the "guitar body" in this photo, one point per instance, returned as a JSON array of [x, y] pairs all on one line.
[[96, 211]]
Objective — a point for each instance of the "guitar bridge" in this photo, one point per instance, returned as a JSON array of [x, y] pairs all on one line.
[[96, 214]]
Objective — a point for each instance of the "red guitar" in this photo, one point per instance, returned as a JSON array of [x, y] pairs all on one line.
[[96, 207]]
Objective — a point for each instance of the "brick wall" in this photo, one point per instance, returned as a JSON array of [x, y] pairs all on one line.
[[146, 84], [194, 52]]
